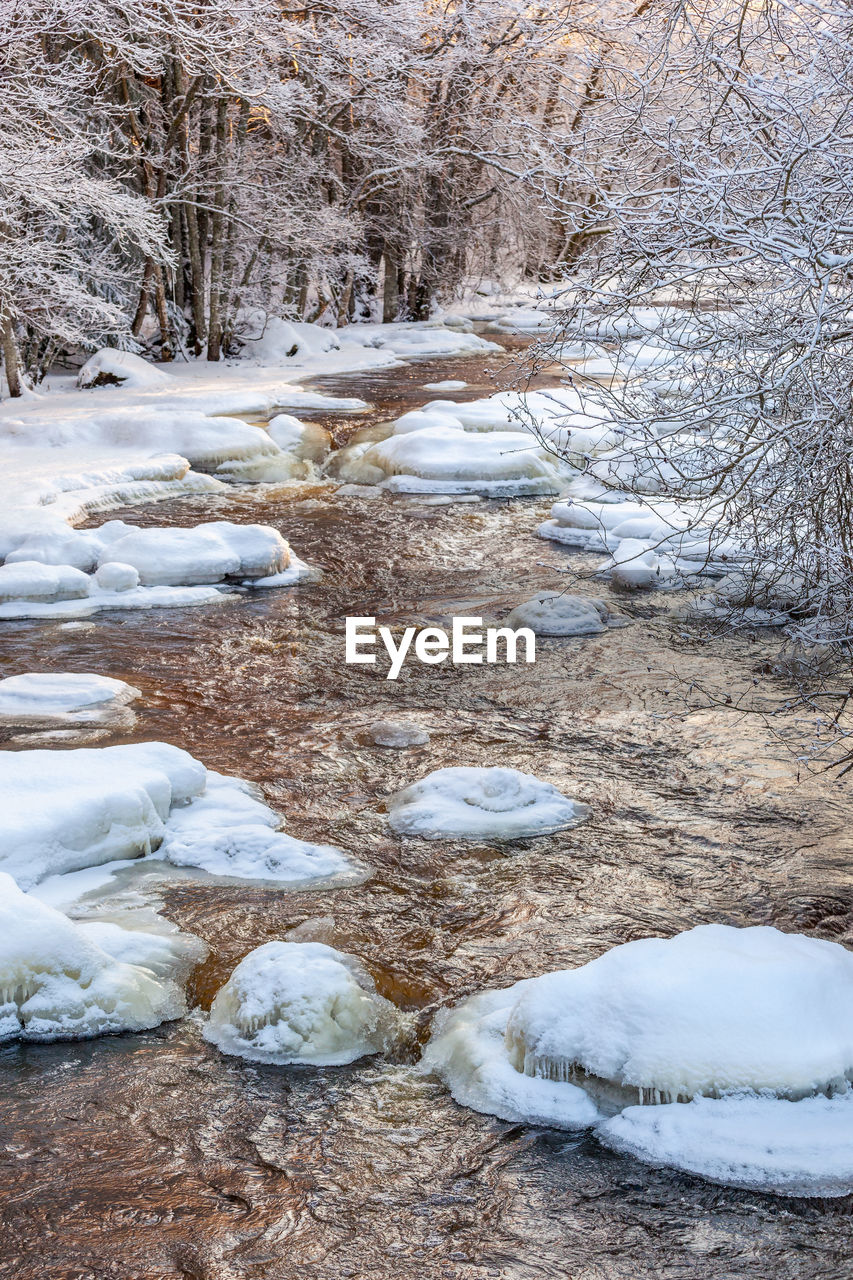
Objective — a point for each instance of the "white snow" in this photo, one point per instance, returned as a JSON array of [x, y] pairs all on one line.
[[800, 1148], [62, 698], [227, 831], [206, 553], [443, 459], [62, 811], [64, 981], [467, 1051], [555, 613], [300, 1002], [482, 804], [42, 583], [110, 366], [449, 384], [738, 1041]]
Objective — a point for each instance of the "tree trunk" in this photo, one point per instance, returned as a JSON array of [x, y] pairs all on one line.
[[166, 350], [9, 348], [144, 291], [391, 288], [217, 235]]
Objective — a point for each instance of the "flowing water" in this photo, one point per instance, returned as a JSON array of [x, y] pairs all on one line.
[[143, 1157]]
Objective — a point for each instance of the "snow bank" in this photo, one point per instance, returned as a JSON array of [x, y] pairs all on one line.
[[279, 340], [64, 981], [110, 367], [746, 1026], [62, 811], [441, 459], [207, 553], [763, 1144], [62, 698], [300, 1002], [554, 613], [482, 804]]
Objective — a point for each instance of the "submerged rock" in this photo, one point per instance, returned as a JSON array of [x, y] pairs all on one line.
[[554, 613], [300, 1002], [396, 733], [482, 804]]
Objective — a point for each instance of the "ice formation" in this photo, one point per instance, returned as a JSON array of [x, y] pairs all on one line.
[[738, 1041], [444, 459], [398, 733], [65, 981], [227, 831], [62, 698], [482, 804], [800, 1148], [62, 811], [300, 1002], [554, 613], [76, 573]]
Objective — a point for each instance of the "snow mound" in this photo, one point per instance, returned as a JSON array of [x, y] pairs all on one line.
[[65, 810], [30, 580], [442, 459], [482, 804], [110, 367], [207, 553], [710, 1011], [279, 340], [449, 384], [58, 983], [305, 440], [227, 831], [62, 697], [553, 613], [300, 1002], [764, 1144]]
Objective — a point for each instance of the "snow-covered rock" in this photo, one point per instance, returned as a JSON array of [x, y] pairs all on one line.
[[300, 1002], [62, 698], [207, 553], [738, 1041], [62, 811], [306, 441], [65, 981], [110, 367], [482, 804], [271, 340], [115, 576], [442, 459], [41, 583], [397, 733], [449, 384], [555, 613]]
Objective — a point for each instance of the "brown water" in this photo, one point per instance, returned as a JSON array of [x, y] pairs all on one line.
[[141, 1157]]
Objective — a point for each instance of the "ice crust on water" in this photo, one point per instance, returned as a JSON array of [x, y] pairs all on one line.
[[62, 697], [554, 613], [65, 981], [741, 1039], [63, 811], [228, 831], [300, 1002], [482, 804], [800, 1148]]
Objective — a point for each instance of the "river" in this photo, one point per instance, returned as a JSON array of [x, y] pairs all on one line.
[[152, 1156]]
